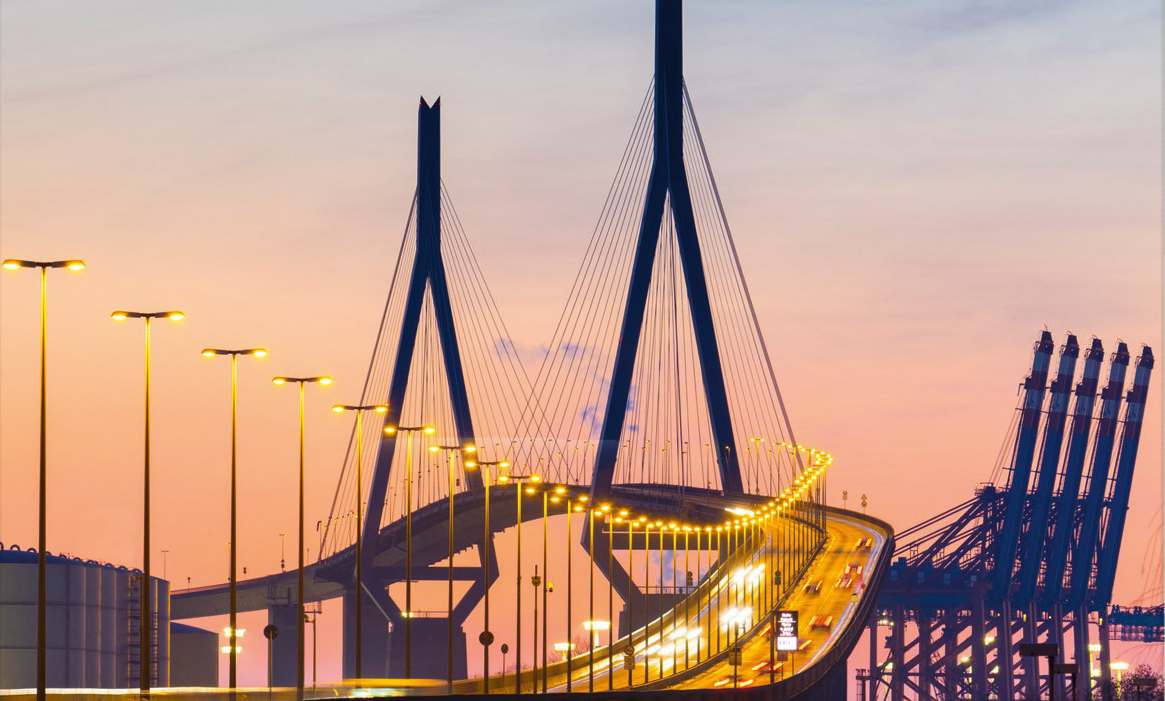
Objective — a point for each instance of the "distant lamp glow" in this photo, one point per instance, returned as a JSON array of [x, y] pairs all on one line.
[[390, 429], [119, 316], [433, 449], [380, 408], [175, 316], [503, 464], [259, 353], [12, 265], [339, 409], [75, 265], [429, 430], [280, 381], [206, 353], [325, 380]]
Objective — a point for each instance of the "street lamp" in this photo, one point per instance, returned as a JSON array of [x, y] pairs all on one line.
[[630, 660], [448, 449], [234, 356], [409, 431], [299, 631], [518, 481], [144, 660], [41, 619], [359, 409], [486, 636]]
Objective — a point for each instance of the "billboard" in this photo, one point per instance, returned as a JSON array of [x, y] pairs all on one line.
[[786, 631]]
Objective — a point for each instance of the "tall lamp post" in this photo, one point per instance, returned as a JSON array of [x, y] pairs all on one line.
[[144, 657], [518, 481], [409, 431], [486, 636], [300, 612], [232, 630], [448, 450], [42, 579], [360, 409]]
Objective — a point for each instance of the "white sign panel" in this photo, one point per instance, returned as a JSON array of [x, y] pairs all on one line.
[[787, 631]]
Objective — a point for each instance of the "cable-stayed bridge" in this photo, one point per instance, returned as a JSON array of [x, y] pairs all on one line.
[[653, 439]]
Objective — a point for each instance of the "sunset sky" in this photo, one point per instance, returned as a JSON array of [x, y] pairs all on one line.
[[915, 189]]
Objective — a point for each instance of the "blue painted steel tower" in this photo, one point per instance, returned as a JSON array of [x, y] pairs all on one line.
[[667, 185]]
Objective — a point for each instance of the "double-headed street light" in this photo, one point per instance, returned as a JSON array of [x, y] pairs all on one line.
[[360, 409], [486, 636], [409, 431], [448, 450], [42, 579], [234, 356], [144, 663], [299, 631]]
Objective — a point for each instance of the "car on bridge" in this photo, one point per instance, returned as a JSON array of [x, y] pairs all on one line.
[[821, 621], [813, 587], [864, 544]]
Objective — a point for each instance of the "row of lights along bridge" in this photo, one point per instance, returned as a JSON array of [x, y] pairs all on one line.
[[529, 483]]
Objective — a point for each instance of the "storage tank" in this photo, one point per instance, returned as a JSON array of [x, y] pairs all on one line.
[[93, 614]]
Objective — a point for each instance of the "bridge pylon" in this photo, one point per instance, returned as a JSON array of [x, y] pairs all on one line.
[[427, 314], [667, 185]]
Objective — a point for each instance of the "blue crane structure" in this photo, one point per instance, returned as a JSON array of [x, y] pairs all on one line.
[[1026, 562]]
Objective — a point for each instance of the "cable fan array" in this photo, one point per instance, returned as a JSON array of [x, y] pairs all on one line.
[[496, 384], [667, 435], [550, 427]]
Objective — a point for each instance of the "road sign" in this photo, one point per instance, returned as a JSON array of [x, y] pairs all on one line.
[[629, 660], [734, 656], [486, 638], [787, 630], [628, 650], [270, 631]]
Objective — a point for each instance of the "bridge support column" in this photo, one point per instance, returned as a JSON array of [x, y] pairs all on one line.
[[1056, 635], [1083, 666], [430, 649], [953, 671], [925, 676], [283, 648], [874, 669], [897, 656], [1031, 680], [375, 644], [1005, 683], [1105, 654], [978, 647], [648, 607]]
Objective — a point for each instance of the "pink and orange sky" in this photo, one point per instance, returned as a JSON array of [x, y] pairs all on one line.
[[915, 189]]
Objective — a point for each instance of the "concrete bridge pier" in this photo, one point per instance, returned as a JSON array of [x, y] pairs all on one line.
[[375, 633], [430, 649], [283, 648], [647, 608]]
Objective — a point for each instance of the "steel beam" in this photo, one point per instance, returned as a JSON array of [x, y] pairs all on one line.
[[1087, 540], [1025, 445], [1037, 531], [1062, 529], [1118, 502]]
